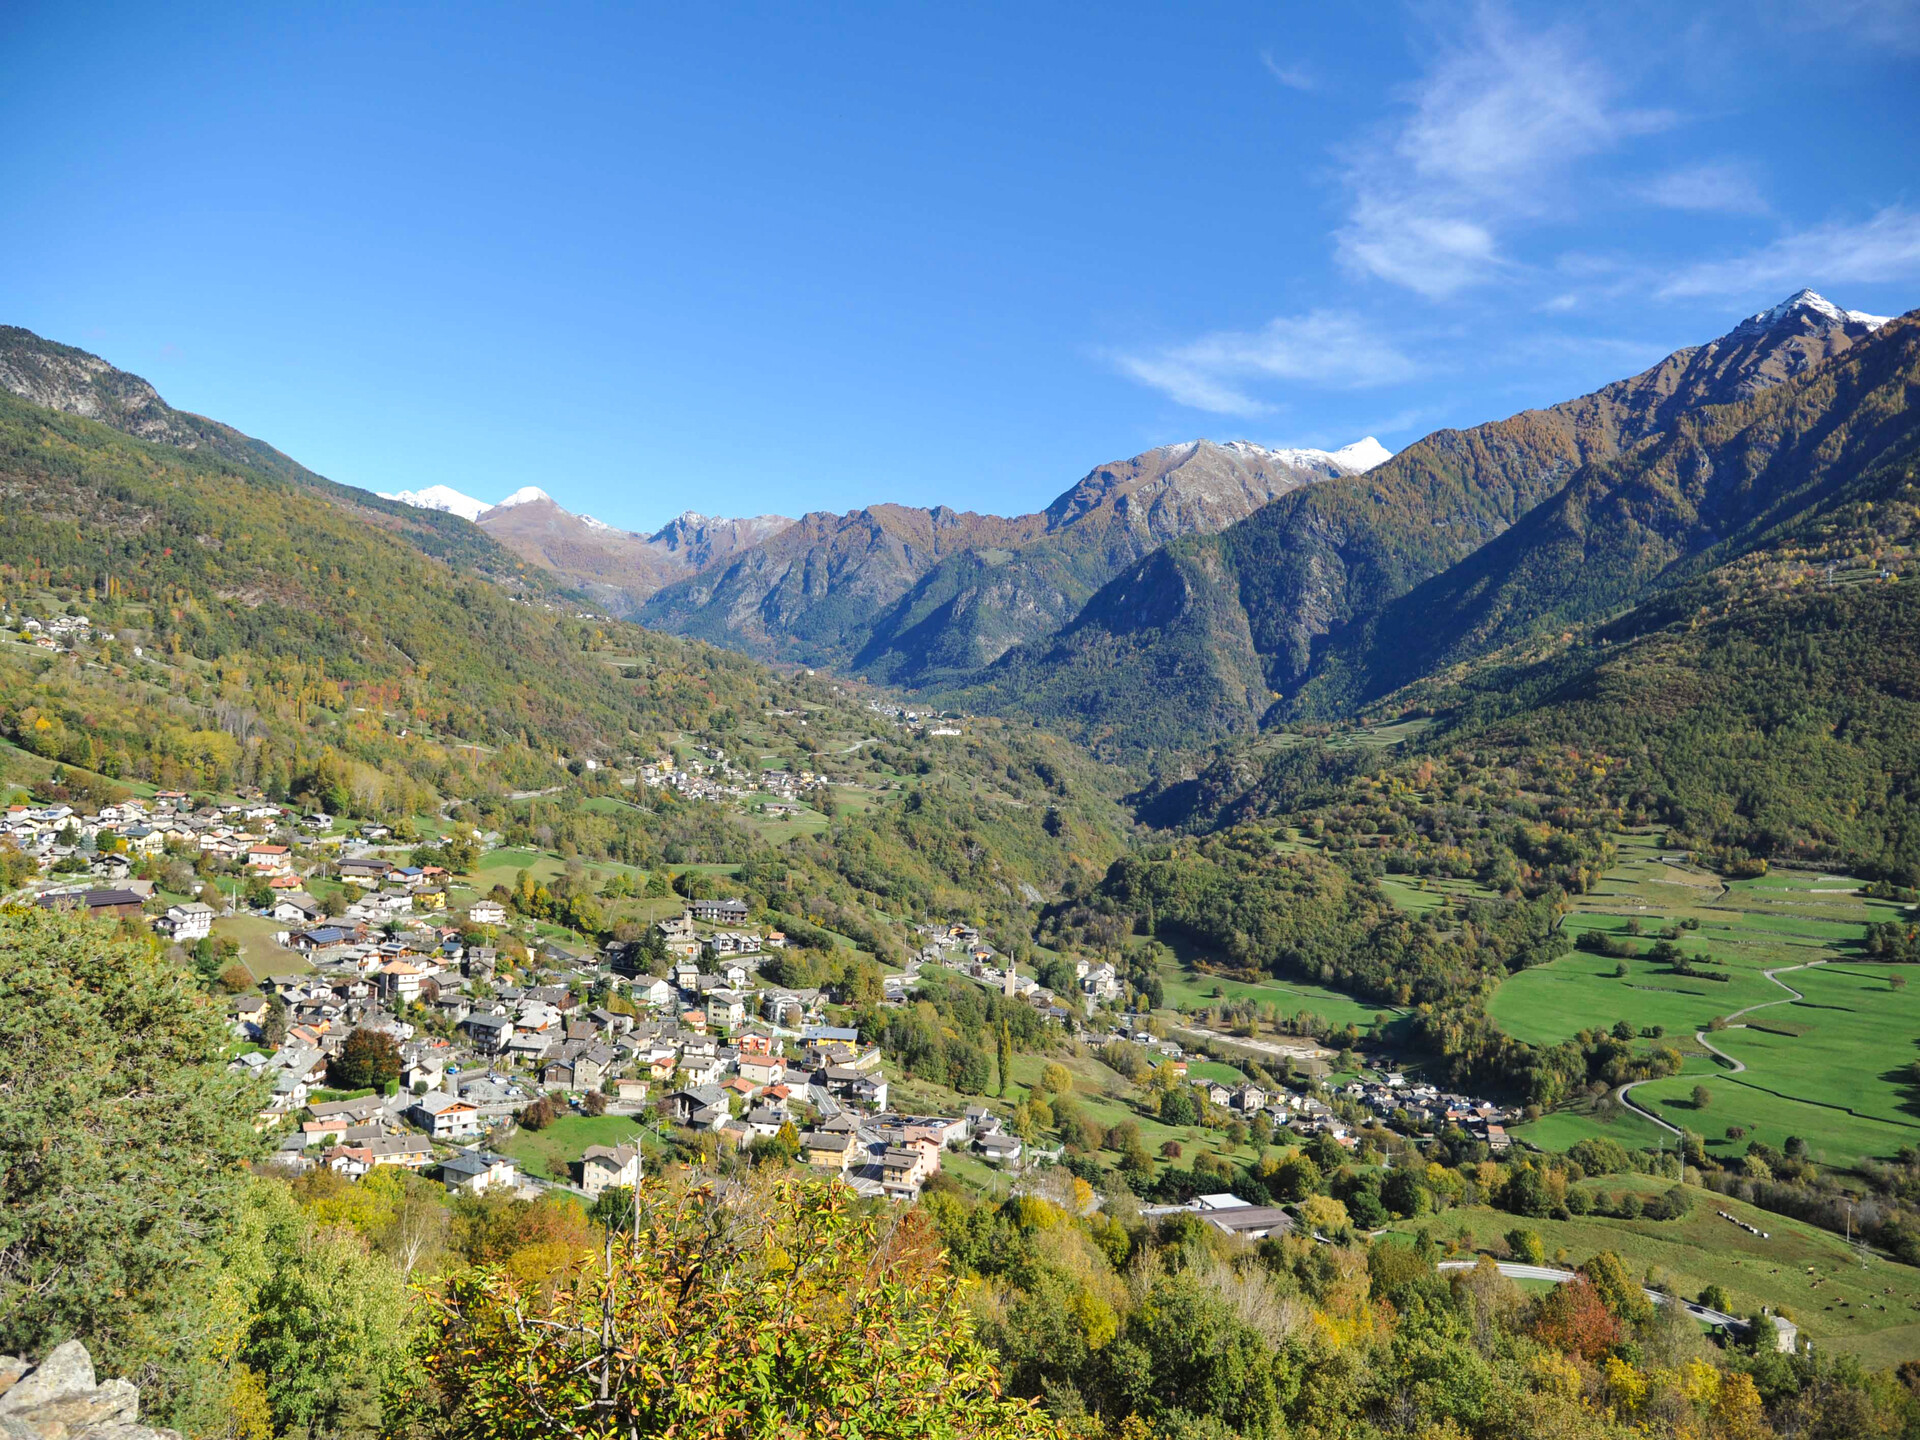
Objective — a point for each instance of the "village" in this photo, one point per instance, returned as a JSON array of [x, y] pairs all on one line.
[[708, 1051]]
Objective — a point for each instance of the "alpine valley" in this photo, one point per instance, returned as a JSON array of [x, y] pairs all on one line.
[[1277, 942]]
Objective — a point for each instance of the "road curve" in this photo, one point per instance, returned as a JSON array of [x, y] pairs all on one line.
[[1624, 1093], [1515, 1271]]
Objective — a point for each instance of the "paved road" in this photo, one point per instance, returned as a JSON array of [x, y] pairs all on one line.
[[1624, 1094], [1514, 1271]]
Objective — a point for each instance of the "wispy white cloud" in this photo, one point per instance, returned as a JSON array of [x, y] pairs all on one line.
[[1886, 247], [1295, 76], [1722, 187], [1491, 131], [1873, 25], [1216, 372]]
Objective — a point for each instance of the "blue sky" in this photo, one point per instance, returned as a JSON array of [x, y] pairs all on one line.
[[778, 258]]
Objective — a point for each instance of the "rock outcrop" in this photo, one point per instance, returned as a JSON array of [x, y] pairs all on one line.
[[59, 1399]]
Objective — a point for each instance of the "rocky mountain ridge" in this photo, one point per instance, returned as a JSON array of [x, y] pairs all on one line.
[[920, 596]]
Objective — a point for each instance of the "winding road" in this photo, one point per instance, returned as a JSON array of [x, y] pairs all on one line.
[[1625, 1093], [1515, 1271]]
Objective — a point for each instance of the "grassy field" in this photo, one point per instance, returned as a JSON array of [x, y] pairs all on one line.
[[499, 867], [257, 951], [778, 829], [1185, 988], [1871, 1311], [551, 1153], [1098, 1092], [1835, 1079], [1839, 1085], [1563, 1129]]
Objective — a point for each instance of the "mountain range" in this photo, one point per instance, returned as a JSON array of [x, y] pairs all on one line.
[[1210, 636], [894, 592], [1202, 590]]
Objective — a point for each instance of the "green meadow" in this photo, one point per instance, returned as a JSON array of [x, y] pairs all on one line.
[[1828, 1068], [1810, 1274]]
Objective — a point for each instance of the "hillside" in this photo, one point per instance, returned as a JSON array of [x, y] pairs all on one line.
[[1765, 708], [59, 377], [1715, 484], [243, 605], [247, 630], [1262, 594], [922, 596]]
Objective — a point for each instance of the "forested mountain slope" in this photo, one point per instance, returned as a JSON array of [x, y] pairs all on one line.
[[60, 377], [1768, 708], [249, 630], [242, 588], [1198, 641], [1715, 484]]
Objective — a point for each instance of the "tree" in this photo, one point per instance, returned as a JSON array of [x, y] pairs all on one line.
[[328, 1324], [1177, 1107], [1702, 1097], [273, 1029], [1572, 1318], [613, 1210], [807, 1318], [539, 1114], [1526, 1192], [593, 1103], [1296, 1179], [370, 1060], [1617, 1289], [1323, 1213], [1057, 1078], [1004, 1056], [1527, 1246], [1403, 1194], [123, 1136]]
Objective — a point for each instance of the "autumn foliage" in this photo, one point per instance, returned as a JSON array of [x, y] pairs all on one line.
[[782, 1312], [1573, 1318]]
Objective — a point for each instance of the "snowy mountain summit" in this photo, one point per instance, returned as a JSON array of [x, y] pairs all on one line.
[[1355, 459], [1808, 305], [441, 497], [445, 497], [525, 495]]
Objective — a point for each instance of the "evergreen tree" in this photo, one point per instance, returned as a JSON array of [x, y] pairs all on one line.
[[123, 1135]]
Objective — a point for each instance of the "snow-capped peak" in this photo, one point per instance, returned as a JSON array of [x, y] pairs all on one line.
[[1354, 459], [525, 495], [1362, 455], [1813, 303], [441, 497], [593, 524]]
